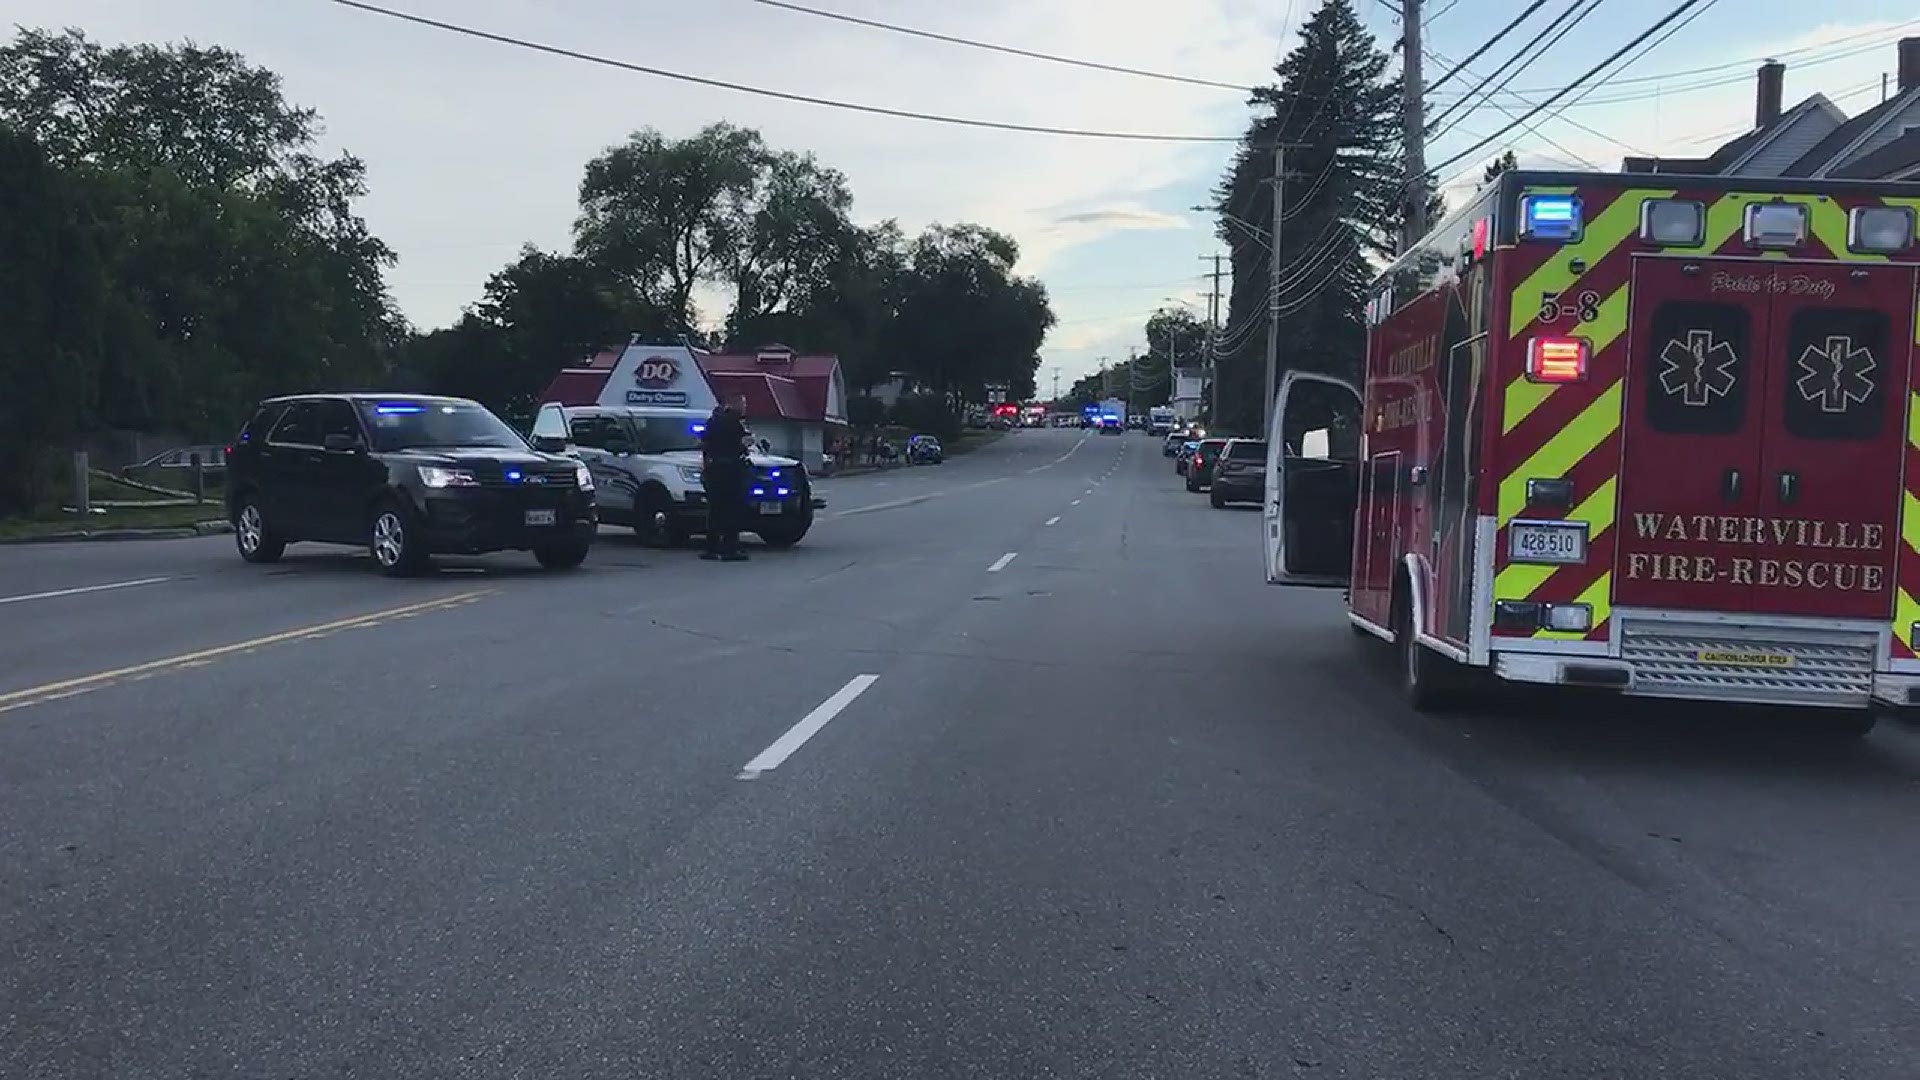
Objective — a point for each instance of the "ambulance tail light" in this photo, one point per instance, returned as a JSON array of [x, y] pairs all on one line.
[[1557, 360]]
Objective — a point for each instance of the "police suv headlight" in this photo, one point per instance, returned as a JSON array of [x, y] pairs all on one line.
[[690, 473], [435, 476], [583, 477]]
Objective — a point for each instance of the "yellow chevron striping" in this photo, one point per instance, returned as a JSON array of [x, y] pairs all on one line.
[[1598, 596], [1910, 520], [1562, 452], [1906, 612], [1518, 581], [1522, 396], [1913, 419], [1619, 222]]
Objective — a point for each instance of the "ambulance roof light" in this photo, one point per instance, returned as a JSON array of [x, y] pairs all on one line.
[[1550, 217], [1557, 359], [1776, 224], [1880, 229], [1673, 222]]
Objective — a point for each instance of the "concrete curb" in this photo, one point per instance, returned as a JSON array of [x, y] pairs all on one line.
[[181, 532]]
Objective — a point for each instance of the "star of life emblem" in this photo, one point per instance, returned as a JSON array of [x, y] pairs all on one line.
[[1698, 369], [1837, 376]]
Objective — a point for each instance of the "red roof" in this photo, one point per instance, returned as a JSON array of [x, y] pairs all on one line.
[[769, 397], [577, 386], [811, 376]]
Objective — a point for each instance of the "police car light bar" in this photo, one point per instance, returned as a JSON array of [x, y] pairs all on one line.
[[1556, 359], [1550, 217]]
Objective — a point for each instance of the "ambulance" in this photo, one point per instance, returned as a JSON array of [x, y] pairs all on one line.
[[1651, 434]]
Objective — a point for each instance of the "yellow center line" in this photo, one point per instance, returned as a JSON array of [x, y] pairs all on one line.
[[34, 695]]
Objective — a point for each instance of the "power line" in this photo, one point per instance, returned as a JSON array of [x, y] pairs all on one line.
[[1679, 9], [1008, 49], [1543, 136], [1642, 54], [1485, 45], [1526, 55], [720, 84], [1663, 76]]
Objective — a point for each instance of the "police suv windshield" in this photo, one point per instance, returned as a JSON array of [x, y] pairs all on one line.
[[406, 425], [660, 434]]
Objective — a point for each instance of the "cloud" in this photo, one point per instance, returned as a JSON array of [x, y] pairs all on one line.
[[1124, 218]]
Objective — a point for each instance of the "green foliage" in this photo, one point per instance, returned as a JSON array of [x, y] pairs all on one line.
[[1340, 115], [1506, 162], [203, 255], [930, 414], [964, 318], [865, 413]]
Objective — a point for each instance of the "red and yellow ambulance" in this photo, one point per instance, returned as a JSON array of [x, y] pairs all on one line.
[[1656, 434]]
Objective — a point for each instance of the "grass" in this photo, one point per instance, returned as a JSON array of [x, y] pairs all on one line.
[[45, 523], [50, 519]]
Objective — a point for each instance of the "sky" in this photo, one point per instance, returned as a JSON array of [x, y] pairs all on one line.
[[474, 148]]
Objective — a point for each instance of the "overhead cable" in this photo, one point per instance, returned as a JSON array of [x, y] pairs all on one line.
[[806, 99], [1010, 50]]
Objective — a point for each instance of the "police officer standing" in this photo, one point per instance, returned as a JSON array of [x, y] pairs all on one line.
[[724, 467]]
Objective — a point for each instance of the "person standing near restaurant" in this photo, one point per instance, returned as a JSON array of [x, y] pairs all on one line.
[[723, 453]]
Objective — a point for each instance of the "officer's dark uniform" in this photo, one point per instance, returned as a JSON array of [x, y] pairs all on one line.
[[723, 450]]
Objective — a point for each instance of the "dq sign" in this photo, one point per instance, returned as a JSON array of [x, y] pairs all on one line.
[[657, 372]]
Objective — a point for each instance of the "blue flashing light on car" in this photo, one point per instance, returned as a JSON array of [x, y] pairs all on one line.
[[699, 429], [759, 491], [513, 476], [782, 492], [398, 410]]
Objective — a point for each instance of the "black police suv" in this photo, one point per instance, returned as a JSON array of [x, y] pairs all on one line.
[[407, 476]]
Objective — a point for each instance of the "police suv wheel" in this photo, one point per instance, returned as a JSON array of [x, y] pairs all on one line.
[[785, 534], [392, 541], [561, 556], [1214, 499], [255, 542]]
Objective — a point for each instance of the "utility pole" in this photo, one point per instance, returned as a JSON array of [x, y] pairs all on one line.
[[1056, 384], [1209, 363], [1272, 385], [1414, 119]]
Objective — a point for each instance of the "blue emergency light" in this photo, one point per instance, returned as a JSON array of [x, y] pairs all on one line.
[[699, 429], [396, 410], [513, 476], [1550, 217]]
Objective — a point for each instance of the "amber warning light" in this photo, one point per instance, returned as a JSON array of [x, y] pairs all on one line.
[[1556, 360]]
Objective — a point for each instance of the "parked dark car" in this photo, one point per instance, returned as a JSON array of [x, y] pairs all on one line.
[[925, 450], [1239, 474], [1200, 464], [406, 476]]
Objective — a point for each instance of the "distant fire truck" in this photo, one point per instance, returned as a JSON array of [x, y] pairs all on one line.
[[1654, 434]]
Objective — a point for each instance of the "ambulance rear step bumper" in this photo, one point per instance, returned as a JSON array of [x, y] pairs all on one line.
[[1749, 661]]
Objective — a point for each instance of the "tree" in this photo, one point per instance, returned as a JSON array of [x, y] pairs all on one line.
[[536, 315], [964, 318], [1506, 162], [55, 300], [794, 241], [665, 216], [1339, 113], [231, 261]]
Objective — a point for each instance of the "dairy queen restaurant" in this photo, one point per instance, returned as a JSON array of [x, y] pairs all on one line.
[[796, 403]]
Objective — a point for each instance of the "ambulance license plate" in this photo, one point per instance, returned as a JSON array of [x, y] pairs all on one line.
[[1547, 542], [771, 508], [541, 517]]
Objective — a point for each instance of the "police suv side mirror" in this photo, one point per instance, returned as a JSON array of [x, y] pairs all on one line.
[[549, 444]]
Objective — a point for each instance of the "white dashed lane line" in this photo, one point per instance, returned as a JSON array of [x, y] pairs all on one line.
[[1053, 521], [783, 747], [1000, 563], [81, 589]]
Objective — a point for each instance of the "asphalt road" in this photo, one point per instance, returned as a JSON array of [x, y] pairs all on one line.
[[1095, 803]]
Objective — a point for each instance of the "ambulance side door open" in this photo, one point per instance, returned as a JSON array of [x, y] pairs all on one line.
[[1311, 489]]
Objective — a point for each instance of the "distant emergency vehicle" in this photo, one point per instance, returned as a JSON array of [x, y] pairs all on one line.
[[1657, 434]]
